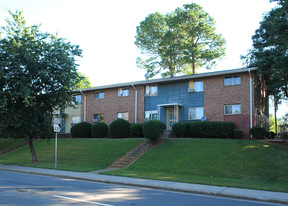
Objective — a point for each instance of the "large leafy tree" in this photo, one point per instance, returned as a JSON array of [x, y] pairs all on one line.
[[37, 74], [83, 83], [178, 42]]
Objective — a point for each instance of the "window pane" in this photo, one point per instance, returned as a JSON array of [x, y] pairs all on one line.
[[192, 113], [228, 109], [199, 113], [236, 109], [228, 81], [198, 86], [236, 80], [153, 91]]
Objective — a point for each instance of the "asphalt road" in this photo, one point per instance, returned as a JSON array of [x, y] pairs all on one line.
[[27, 189]]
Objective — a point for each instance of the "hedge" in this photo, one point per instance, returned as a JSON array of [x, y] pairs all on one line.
[[81, 130], [257, 132], [119, 128], [181, 129], [153, 129], [136, 130], [99, 130]]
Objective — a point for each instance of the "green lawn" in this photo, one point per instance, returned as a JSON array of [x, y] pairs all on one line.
[[73, 154], [9, 143], [223, 162]]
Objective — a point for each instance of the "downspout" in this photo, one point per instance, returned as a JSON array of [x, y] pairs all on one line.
[[251, 103], [85, 105], [136, 97]]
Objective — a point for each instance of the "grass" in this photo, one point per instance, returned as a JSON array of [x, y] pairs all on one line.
[[73, 154], [9, 143], [232, 163]]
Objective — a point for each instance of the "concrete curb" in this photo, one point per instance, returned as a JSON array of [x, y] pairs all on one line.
[[259, 195]]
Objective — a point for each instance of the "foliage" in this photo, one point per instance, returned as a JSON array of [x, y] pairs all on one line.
[[99, 130], [153, 129], [81, 130], [136, 130], [83, 82], [269, 53], [119, 128], [212, 129], [257, 132], [178, 42], [238, 133], [272, 124], [181, 129]]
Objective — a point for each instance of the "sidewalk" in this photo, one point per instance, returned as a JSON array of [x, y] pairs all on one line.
[[277, 197]]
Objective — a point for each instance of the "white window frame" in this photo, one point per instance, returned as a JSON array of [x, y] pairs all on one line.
[[197, 110], [235, 109], [198, 86], [149, 114], [149, 90], [123, 92], [100, 118], [123, 115], [230, 81], [100, 96]]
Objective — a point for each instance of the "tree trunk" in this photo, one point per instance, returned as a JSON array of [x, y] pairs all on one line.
[[193, 68], [275, 113], [32, 150]]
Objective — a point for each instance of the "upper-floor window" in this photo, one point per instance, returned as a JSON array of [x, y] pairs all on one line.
[[76, 99], [99, 95], [123, 92], [232, 109], [228, 81], [195, 86], [151, 90]]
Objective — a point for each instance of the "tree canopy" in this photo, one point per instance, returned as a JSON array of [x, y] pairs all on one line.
[[37, 74], [82, 82], [178, 42]]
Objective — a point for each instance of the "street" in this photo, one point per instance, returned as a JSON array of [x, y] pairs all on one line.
[[28, 189]]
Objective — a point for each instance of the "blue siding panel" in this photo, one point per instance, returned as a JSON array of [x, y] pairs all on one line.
[[174, 92]]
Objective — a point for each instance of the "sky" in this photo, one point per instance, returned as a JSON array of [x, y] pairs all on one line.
[[105, 30]]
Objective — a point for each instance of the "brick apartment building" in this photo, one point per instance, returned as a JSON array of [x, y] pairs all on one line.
[[237, 95]]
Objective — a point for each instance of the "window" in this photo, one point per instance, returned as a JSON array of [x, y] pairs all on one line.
[[75, 120], [123, 92], [196, 113], [195, 86], [228, 81], [149, 115], [198, 86], [77, 99], [232, 109], [151, 90], [98, 117], [123, 115], [99, 95]]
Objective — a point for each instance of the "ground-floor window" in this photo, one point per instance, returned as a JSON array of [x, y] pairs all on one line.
[[75, 120], [232, 109], [98, 117], [196, 113], [149, 115], [123, 115]]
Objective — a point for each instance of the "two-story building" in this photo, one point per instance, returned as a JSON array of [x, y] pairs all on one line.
[[237, 95]]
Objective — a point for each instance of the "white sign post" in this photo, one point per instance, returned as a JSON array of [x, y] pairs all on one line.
[[57, 128]]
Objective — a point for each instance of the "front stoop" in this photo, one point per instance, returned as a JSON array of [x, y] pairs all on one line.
[[132, 155]]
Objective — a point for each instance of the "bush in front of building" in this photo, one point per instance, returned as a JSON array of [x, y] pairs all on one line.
[[119, 128], [212, 129], [238, 133], [136, 130], [181, 129], [99, 130], [258, 132], [81, 130], [153, 129]]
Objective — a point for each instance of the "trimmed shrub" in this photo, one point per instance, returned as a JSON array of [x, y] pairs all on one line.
[[136, 130], [99, 130], [181, 129], [81, 130], [257, 132], [153, 129], [212, 129], [119, 128], [238, 133]]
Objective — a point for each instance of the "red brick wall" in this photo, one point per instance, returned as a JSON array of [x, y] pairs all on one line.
[[112, 104], [216, 95]]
